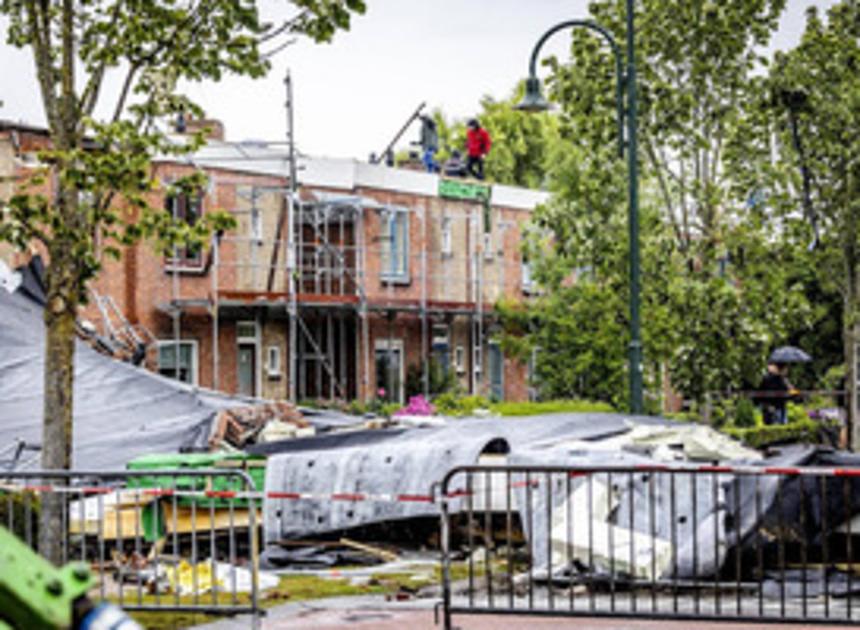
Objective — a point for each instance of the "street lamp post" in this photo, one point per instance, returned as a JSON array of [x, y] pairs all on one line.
[[534, 101]]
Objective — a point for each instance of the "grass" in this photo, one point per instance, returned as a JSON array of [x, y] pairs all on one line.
[[291, 588]]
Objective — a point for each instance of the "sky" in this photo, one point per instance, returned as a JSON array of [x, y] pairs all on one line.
[[353, 95]]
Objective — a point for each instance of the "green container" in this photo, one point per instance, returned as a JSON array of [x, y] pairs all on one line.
[[152, 517]]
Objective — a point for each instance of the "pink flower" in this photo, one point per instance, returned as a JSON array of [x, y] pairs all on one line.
[[418, 406], [381, 392]]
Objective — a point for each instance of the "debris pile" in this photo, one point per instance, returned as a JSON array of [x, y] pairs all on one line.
[[238, 427]]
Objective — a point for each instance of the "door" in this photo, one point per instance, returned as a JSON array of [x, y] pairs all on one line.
[[247, 370], [389, 370]]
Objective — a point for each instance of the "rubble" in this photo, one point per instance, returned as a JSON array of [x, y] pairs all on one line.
[[238, 427]]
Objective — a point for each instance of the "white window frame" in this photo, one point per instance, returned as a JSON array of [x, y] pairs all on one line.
[[273, 362], [526, 279], [391, 218], [255, 225], [245, 338], [489, 253], [195, 363], [460, 359], [447, 241]]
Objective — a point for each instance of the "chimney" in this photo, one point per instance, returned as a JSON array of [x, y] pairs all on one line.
[[215, 128]]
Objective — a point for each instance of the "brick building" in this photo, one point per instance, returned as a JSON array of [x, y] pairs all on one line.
[[353, 281]]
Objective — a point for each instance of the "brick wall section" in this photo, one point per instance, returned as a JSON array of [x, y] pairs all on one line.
[[142, 287]]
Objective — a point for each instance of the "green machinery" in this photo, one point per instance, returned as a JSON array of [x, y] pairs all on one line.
[[35, 595]]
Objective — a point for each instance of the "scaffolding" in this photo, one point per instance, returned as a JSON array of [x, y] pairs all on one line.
[[331, 277]]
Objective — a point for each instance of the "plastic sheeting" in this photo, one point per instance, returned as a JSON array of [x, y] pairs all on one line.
[[403, 462], [120, 411]]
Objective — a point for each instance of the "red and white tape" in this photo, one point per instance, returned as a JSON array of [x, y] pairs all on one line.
[[355, 497], [89, 491]]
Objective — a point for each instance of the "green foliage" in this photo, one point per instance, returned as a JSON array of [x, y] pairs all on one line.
[[804, 431], [549, 406], [376, 406], [523, 144], [440, 379], [745, 413], [722, 283], [450, 404], [102, 167]]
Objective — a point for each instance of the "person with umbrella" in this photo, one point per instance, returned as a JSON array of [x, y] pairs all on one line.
[[775, 390]]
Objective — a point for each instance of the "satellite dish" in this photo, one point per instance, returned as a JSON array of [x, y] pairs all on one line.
[[9, 280]]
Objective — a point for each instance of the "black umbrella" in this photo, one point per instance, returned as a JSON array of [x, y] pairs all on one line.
[[789, 354]]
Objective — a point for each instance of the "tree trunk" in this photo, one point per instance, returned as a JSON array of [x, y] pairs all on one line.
[[850, 337], [60, 314]]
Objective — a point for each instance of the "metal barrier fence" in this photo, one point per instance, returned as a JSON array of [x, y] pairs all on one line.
[[157, 540], [704, 542]]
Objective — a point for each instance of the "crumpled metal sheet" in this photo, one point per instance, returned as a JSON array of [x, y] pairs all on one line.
[[398, 462]]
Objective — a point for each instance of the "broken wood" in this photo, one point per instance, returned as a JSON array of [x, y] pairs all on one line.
[[383, 554]]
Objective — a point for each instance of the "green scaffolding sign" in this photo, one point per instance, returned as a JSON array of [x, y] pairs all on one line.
[[460, 189]]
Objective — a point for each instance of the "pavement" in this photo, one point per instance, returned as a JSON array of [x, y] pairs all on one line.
[[374, 613]]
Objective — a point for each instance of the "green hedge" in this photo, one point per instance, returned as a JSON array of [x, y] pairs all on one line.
[[549, 406], [804, 431]]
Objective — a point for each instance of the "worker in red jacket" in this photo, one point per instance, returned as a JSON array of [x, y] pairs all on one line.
[[477, 147]]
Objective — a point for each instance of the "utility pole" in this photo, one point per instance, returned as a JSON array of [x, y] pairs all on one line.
[[292, 306]]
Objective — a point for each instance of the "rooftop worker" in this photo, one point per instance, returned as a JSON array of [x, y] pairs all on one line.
[[454, 165], [477, 147], [429, 144]]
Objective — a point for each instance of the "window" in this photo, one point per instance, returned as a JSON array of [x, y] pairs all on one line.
[[188, 208], [273, 361], [460, 359], [440, 346], [496, 369], [488, 246], [447, 245], [256, 224], [178, 360], [526, 276], [246, 332], [395, 245]]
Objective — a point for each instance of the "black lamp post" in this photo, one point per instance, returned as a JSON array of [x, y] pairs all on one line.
[[533, 101]]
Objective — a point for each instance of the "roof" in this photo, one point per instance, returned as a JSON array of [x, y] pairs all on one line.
[[342, 173], [262, 158]]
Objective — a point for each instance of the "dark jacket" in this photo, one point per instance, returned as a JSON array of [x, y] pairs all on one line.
[[773, 391]]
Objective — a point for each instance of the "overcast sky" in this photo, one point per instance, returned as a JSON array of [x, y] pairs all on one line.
[[353, 95]]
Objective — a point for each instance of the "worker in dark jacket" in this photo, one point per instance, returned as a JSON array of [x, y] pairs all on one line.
[[774, 393], [477, 147]]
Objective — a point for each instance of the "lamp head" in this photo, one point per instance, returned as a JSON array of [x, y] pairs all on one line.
[[533, 100]]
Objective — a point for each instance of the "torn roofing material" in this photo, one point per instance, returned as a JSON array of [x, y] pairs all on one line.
[[403, 463], [120, 411]]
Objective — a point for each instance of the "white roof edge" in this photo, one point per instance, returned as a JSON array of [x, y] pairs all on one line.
[[516, 197], [349, 174], [341, 173]]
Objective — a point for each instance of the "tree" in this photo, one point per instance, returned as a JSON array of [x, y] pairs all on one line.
[[816, 87], [522, 143], [714, 297], [98, 171]]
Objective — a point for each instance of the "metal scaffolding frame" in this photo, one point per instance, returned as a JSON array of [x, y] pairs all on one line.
[[316, 277]]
